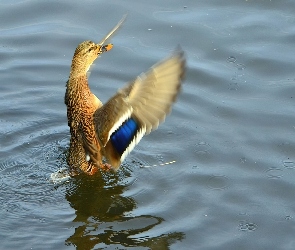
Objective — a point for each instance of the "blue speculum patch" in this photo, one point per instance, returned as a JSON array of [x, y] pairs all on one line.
[[122, 137]]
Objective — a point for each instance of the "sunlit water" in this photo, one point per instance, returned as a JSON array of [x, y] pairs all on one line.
[[231, 133]]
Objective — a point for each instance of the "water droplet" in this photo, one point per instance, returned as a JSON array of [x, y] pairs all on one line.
[[160, 158], [234, 78], [274, 173], [202, 152], [42, 220], [243, 160], [218, 182], [202, 143], [233, 86], [243, 227], [231, 59], [241, 66], [149, 29], [288, 164], [252, 226], [247, 226]]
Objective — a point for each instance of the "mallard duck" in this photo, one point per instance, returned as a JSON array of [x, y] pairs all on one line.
[[103, 135]]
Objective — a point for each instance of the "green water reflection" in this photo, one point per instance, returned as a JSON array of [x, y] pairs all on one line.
[[104, 218]]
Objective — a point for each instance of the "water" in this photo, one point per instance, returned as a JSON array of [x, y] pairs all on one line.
[[231, 133]]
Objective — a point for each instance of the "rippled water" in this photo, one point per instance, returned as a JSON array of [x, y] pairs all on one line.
[[231, 132]]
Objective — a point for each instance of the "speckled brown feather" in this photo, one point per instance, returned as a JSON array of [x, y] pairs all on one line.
[[81, 104]]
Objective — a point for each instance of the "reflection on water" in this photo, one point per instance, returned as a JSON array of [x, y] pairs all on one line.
[[104, 215]]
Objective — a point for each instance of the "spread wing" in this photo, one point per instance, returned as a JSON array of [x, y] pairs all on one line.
[[138, 108]]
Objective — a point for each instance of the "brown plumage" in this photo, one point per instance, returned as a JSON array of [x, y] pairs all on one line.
[[112, 130]]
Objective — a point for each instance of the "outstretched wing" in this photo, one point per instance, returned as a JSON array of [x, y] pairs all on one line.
[[138, 108]]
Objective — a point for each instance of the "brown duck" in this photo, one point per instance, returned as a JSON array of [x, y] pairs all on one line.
[[103, 135]]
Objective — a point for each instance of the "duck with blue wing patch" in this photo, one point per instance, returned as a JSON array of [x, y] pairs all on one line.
[[112, 130]]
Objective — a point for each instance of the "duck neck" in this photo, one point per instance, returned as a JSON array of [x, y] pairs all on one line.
[[77, 83], [78, 92], [78, 78]]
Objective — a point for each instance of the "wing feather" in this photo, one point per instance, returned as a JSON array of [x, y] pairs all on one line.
[[147, 100]]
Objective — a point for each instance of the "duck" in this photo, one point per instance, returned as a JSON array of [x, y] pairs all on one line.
[[102, 135]]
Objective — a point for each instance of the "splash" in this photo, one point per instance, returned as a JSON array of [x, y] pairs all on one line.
[[61, 176]]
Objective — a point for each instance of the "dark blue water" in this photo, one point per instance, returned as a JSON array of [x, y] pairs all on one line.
[[231, 133]]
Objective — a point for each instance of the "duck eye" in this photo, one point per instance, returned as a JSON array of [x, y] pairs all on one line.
[[104, 49]]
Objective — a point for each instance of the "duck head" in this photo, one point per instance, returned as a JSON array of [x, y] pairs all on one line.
[[88, 51], [85, 54]]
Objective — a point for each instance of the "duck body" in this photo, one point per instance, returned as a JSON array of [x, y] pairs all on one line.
[[81, 105], [103, 135]]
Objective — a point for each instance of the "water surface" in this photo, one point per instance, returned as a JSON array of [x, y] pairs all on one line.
[[231, 132]]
